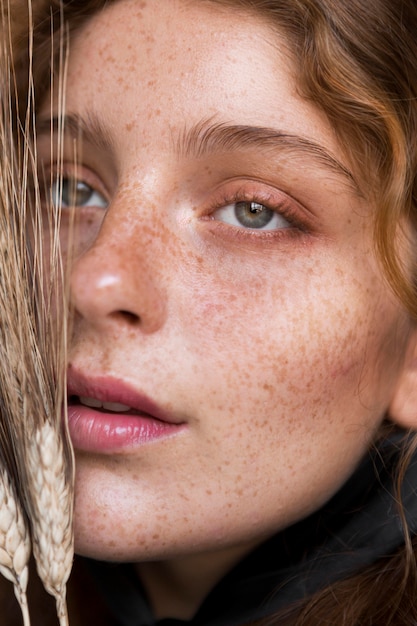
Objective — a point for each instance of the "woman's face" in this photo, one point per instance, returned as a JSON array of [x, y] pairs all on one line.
[[235, 344]]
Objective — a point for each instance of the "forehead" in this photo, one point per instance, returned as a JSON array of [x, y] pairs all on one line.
[[185, 61], [166, 44]]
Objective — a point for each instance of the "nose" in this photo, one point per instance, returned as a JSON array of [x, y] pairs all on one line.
[[115, 283]]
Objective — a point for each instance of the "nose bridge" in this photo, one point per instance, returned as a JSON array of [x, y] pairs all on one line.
[[118, 279]]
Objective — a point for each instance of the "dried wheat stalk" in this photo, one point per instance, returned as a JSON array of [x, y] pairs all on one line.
[[14, 533], [34, 440]]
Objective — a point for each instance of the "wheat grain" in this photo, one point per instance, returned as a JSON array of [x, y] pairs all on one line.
[[14, 543]]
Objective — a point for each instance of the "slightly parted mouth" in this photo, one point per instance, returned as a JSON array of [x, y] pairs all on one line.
[[104, 407], [109, 395]]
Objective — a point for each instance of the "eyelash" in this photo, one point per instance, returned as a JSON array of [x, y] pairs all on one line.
[[277, 202]]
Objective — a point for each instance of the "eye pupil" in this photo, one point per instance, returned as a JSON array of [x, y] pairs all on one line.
[[254, 207]]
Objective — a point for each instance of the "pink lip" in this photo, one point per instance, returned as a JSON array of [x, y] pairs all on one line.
[[101, 431]]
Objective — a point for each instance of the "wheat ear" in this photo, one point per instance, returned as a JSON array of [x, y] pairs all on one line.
[[51, 523], [14, 543]]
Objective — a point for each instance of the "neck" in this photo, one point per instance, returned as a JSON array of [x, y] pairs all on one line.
[[177, 588]]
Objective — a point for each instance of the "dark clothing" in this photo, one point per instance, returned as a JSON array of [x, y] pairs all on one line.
[[358, 526]]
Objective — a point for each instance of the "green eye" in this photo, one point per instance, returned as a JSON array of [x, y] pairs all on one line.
[[251, 215], [72, 192]]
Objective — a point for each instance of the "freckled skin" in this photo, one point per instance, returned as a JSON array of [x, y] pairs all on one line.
[[279, 356]]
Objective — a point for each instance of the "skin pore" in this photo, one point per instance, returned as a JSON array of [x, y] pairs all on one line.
[[224, 269]]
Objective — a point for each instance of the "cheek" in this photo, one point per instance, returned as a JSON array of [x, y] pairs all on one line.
[[299, 346], [288, 394]]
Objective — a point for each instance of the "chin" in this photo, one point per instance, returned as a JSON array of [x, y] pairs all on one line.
[[101, 549]]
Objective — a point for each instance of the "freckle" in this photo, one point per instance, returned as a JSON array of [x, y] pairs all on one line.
[[129, 126], [209, 492], [155, 536]]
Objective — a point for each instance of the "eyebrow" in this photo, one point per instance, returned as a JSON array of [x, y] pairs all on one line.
[[207, 137], [89, 129]]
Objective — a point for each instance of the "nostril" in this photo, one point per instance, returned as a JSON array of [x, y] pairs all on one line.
[[131, 318]]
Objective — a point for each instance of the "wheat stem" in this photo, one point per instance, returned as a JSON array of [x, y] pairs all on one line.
[[23, 602], [61, 608]]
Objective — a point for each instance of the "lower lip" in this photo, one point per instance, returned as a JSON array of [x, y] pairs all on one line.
[[101, 432]]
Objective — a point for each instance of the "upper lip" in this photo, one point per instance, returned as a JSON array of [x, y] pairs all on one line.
[[109, 389]]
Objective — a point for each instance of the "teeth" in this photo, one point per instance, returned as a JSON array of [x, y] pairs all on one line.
[[115, 407], [92, 402]]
